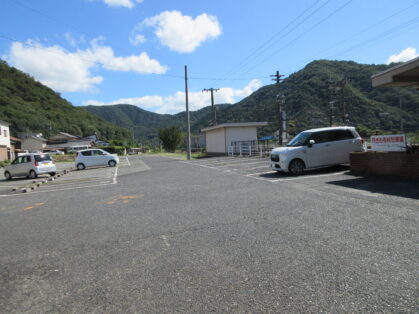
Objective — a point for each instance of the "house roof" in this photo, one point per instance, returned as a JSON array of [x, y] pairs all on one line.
[[39, 138], [69, 144], [15, 139], [235, 125], [4, 122], [405, 74]]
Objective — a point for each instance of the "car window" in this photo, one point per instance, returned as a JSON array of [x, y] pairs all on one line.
[[98, 153], [26, 159], [321, 137], [300, 140], [16, 161], [87, 153], [42, 157], [339, 135]]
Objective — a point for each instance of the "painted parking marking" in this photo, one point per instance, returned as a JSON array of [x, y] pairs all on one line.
[[308, 176], [243, 163]]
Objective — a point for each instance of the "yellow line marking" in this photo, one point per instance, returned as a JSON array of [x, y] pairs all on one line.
[[130, 196], [28, 208], [39, 204], [124, 198]]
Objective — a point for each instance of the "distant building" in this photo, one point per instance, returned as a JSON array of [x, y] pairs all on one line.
[[61, 138], [15, 147], [5, 153], [34, 143], [220, 138]]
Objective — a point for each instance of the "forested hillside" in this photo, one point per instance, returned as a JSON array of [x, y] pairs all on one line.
[[308, 94], [30, 106]]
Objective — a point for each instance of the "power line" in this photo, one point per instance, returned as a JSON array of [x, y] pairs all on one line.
[[301, 35], [235, 68], [356, 34]]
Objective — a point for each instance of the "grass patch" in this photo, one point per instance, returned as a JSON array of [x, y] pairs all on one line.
[[177, 155]]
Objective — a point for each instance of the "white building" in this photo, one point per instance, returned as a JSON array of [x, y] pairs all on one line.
[[4, 141], [220, 137]]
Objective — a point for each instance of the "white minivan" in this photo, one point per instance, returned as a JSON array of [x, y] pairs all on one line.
[[317, 148], [95, 157]]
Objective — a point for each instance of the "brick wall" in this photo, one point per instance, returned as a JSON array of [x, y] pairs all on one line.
[[385, 163]]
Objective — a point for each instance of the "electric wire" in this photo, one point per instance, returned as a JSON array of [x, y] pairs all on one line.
[[363, 31], [301, 35], [256, 51]]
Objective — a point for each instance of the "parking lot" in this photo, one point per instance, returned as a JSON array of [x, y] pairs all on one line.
[[223, 234], [68, 178], [337, 179]]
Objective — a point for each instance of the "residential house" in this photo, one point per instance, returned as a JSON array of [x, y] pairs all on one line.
[[16, 147], [4, 141], [34, 143]]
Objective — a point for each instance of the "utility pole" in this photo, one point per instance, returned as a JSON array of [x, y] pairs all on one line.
[[214, 114], [280, 99], [277, 77], [188, 122], [401, 112]]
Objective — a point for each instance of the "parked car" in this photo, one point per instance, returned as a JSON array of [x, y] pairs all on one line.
[[30, 165], [56, 152], [95, 157], [317, 148]]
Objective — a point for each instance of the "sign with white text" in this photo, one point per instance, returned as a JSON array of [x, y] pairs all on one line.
[[388, 143]]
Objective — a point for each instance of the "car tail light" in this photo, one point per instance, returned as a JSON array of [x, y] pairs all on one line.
[[53, 162], [36, 164], [362, 141]]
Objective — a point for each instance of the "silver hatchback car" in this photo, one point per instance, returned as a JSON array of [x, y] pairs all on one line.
[[30, 165]]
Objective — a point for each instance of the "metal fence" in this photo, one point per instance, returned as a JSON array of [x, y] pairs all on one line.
[[249, 149]]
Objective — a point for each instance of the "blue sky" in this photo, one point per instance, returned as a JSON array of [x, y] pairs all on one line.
[[103, 52]]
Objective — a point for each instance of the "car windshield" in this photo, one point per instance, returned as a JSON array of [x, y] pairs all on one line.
[[300, 139], [42, 157]]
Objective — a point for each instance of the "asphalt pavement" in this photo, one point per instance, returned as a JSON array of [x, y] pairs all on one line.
[[159, 235]]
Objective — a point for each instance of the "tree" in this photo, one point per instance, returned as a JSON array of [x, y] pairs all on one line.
[[171, 138]]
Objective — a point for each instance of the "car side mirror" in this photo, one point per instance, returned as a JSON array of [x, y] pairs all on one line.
[[311, 143]]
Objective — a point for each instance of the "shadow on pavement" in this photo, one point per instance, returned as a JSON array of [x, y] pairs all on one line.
[[407, 188], [307, 173]]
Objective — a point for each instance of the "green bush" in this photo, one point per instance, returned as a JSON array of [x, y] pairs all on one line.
[[119, 150], [4, 163]]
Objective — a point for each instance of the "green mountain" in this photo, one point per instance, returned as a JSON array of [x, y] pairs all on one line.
[[30, 106], [308, 94]]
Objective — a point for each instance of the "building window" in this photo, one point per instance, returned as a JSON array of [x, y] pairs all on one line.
[[5, 133]]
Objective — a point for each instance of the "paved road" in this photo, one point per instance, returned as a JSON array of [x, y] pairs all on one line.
[[219, 235]]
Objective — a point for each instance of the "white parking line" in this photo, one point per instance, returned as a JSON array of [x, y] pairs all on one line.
[[259, 173], [244, 163], [252, 168], [309, 176], [129, 164]]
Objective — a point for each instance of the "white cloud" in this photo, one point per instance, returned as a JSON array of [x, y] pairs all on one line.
[[183, 33], [137, 39], [122, 3], [176, 103], [65, 71], [54, 67], [405, 55]]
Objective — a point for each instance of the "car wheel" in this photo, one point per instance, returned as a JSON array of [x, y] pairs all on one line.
[[112, 163], [7, 175], [32, 174], [52, 174], [81, 166], [296, 167]]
